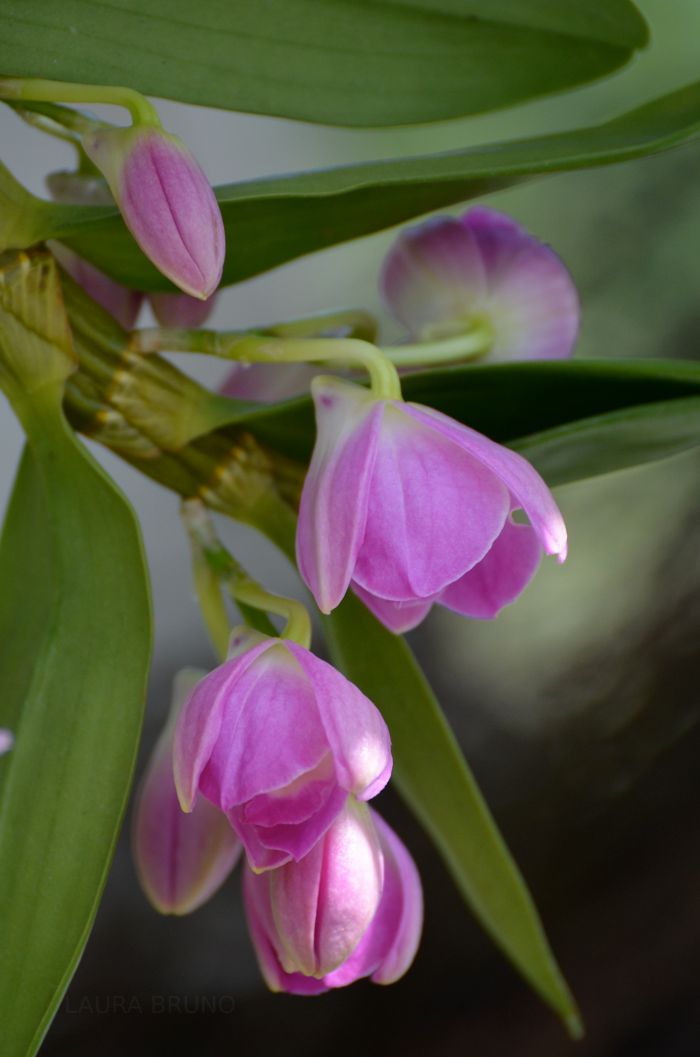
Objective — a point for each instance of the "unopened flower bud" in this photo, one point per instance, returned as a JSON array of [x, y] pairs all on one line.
[[121, 303], [166, 202], [181, 310], [268, 382], [181, 859], [353, 907]]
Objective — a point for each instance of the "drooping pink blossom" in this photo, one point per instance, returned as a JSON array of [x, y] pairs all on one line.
[[449, 274], [352, 908], [277, 739], [166, 202], [412, 508], [181, 859]]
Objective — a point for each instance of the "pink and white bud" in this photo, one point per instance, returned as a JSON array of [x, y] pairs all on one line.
[[6, 740], [181, 859], [448, 274], [268, 382], [352, 908], [181, 310], [166, 201], [410, 508], [277, 739], [121, 303]]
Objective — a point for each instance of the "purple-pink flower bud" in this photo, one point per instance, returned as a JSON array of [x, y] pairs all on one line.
[[166, 202], [181, 310], [411, 508], [268, 382], [448, 274], [6, 740], [277, 739], [121, 303], [181, 859], [353, 907]]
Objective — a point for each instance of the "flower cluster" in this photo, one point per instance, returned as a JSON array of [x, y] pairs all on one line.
[[276, 753]]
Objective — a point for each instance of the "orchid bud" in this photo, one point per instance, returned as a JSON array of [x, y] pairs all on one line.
[[6, 740], [277, 738], [412, 508], [447, 275], [181, 859], [268, 382], [121, 303], [352, 908], [166, 202], [181, 310]]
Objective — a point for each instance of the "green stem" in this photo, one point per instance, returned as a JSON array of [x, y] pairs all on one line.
[[38, 90], [471, 345], [252, 599], [58, 121], [259, 348], [357, 323]]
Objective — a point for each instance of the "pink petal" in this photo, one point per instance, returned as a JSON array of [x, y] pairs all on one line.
[[524, 483], [356, 732], [532, 302], [398, 617], [268, 382], [256, 900], [270, 731], [181, 859], [433, 277], [200, 721], [323, 905], [434, 511], [268, 847], [334, 499], [402, 877], [181, 310], [500, 577]]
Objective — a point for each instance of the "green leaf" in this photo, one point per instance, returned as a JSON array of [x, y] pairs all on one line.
[[573, 419], [74, 650], [435, 781], [271, 221], [339, 62]]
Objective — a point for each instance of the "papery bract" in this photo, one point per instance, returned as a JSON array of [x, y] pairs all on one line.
[[181, 859], [277, 739], [352, 908], [166, 202], [181, 310], [412, 508], [449, 274]]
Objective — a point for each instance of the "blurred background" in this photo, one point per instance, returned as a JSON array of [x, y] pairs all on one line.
[[578, 708]]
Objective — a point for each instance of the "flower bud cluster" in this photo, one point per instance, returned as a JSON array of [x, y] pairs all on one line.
[[276, 753]]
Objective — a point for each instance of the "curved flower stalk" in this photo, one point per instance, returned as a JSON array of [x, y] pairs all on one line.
[[482, 275], [166, 202], [181, 859], [412, 508], [352, 908], [277, 739]]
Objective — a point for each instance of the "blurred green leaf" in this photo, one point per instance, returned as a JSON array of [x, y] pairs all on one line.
[[339, 62], [74, 650], [572, 418], [274, 220], [435, 781]]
